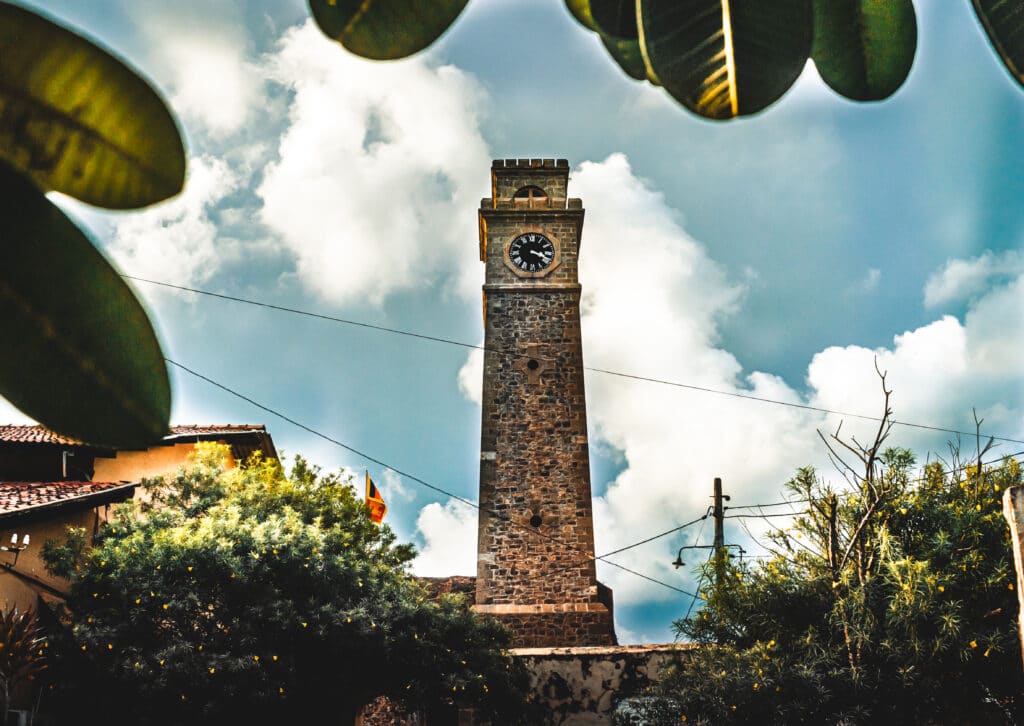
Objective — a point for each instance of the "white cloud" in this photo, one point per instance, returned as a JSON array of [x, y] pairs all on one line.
[[178, 240], [201, 50], [394, 489], [939, 372], [449, 533], [379, 172], [961, 279], [471, 377], [10, 415]]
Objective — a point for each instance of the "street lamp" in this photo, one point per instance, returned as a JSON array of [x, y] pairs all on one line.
[[679, 556]]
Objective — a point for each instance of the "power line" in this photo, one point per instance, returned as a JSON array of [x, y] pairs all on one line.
[[773, 504], [367, 457], [604, 371]]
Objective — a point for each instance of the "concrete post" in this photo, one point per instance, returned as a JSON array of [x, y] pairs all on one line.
[[1013, 510]]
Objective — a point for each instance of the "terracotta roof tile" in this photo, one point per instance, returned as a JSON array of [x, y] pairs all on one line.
[[13, 433], [21, 496]]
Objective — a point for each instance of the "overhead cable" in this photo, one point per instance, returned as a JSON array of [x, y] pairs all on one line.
[[603, 371]]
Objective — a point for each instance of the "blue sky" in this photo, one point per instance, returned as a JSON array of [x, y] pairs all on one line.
[[778, 255]]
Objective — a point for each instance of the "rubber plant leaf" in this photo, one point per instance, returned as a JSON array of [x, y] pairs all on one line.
[[580, 9], [385, 29], [1003, 21], [79, 353], [79, 121], [615, 18], [863, 49], [726, 58], [627, 54]]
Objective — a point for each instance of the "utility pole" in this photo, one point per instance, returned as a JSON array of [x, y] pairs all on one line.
[[719, 514]]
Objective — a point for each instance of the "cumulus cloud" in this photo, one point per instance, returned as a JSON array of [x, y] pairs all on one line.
[[379, 172], [203, 53], [939, 372], [449, 535], [178, 240], [653, 299], [965, 279]]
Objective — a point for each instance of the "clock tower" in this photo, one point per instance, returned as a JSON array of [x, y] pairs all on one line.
[[535, 566]]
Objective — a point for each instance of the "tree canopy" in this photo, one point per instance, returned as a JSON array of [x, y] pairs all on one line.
[[257, 596], [888, 601]]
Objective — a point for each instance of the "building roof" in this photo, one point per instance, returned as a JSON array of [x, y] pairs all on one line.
[[35, 434], [19, 499]]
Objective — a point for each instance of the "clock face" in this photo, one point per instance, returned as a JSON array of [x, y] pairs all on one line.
[[531, 252]]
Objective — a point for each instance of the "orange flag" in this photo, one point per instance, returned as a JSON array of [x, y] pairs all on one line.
[[375, 501]]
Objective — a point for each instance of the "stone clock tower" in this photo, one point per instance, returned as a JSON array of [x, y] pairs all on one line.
[[535, 567]]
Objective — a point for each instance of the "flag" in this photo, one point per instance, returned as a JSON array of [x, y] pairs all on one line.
[[375, 501]]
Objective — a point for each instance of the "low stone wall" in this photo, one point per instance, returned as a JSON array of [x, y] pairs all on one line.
[[582, 686], [579, 686]]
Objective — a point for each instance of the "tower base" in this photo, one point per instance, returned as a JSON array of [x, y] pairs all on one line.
[[564, 625]]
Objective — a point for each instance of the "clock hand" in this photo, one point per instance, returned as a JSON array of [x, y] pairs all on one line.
[[538, 254]]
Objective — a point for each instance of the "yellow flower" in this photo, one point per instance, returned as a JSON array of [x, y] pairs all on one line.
[[733, 708], [138, 600], [305, 625], [1010, 586], [190, 568], [256, 658], [942, 588], [974, 643], [281, 690], [110, 646], [756, 686], [274, 657], [978, 507], [212, 671], [83, 647], [166, 606]]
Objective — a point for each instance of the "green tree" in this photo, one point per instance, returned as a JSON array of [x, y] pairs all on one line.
[[252, 596], [890, 600]]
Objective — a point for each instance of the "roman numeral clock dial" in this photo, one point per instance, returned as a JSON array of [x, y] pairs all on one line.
[[531, 252]]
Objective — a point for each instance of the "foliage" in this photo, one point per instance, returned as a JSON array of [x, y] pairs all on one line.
[[252, 596], [74, 119], [22, 652], [718, 58], [891, 601]]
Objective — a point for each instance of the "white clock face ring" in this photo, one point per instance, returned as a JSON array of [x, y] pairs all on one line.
[[531, 252]]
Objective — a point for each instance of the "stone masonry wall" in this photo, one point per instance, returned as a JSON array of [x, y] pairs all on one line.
[[510, 175]]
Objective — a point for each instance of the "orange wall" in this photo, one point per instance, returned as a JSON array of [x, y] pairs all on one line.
[[16, 591], [136, 465]]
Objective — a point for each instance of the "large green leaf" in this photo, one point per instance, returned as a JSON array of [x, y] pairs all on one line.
[[627, 54], [77, 120], [1003, 20], [385, 29], [863, 49], [78, 352], [616, 18], [580, 10], [726, 58]]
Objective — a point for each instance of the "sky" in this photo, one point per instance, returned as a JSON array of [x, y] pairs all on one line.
[[780, 256]]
